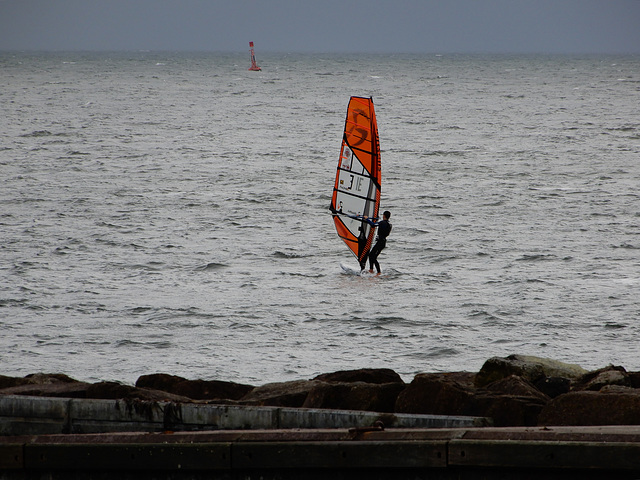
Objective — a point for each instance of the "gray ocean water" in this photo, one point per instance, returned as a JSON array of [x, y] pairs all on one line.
[[166, 212]]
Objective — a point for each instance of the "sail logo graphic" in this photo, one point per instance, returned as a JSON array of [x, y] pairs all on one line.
[[356, 126], [355, 183], [345, 158]]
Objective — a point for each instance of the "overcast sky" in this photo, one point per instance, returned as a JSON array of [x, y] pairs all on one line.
[[431, 26]]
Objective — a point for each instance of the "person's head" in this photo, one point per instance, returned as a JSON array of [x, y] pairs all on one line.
[[386, 215]]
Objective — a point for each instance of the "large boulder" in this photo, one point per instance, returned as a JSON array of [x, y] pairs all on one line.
[[43, 385], [438, 394], [511, 401], [354, 396], [35, 379], [634, 379], [49, 378], [553, 386], [508, 410], [212, 390], [516, 386], [597, 379], [159, 381], [366, 375], [119, 391], [533, 369], [281, 394], [61, 390], [195, 389], [619, 407], [10, 382]]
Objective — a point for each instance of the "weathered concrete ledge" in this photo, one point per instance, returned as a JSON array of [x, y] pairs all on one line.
[[22, 415], [486, 453], [513, 391]]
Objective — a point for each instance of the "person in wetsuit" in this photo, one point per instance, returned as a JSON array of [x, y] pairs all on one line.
[[384, 229]]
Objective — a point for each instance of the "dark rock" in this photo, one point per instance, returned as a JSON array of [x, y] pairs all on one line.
[[282, 394], [634, 379], [618, 389], [509, 402], [531, 368], [438, 394], [366, 375], [509, 410], [354, 396], [117, 391], [9, 382], [43, 385], [597, 379], [212, 390], [553, 386], [35, 379], [49, 378], [64, 390], [159, 381], [592, 408], [195, 389], [516, 386]]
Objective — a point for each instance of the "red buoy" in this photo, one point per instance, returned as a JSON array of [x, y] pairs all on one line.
[[254, 66]]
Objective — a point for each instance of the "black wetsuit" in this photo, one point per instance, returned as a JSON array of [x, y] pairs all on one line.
[[384, 229]]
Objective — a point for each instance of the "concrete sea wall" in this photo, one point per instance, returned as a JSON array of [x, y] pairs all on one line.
[[462, 453], [22, 415]]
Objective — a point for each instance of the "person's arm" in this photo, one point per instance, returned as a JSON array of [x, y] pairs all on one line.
[[370, 221]]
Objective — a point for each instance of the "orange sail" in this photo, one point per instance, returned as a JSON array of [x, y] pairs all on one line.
[[356, 192]]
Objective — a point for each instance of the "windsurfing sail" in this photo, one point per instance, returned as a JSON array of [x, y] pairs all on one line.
[[356, 192], [254, 66]]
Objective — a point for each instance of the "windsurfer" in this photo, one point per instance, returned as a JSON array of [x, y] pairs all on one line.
[[384, 229]]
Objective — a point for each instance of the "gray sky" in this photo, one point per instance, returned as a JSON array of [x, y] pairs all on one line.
[[431, 26]]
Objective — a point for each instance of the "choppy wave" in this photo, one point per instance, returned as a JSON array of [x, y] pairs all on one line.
[[174, 219]]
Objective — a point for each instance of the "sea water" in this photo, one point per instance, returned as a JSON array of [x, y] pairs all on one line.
[[165, 212]]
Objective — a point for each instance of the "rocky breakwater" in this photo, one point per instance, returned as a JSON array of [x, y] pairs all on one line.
[[513, 391]]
